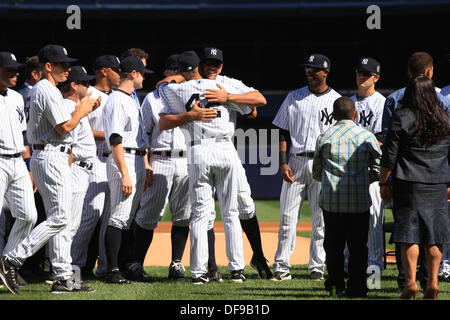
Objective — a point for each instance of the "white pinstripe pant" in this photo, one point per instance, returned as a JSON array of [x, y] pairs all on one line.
[[291, 199], [53, 178], [213, 165], [246, 205], [170, 185], [96, 205], [15, 186], [124, 209]]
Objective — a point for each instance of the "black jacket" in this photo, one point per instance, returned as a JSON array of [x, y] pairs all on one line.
[[409, 158]]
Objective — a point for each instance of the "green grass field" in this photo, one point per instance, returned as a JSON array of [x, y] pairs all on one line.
[[300, 287]]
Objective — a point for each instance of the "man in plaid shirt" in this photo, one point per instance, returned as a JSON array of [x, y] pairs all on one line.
[[346, 161]]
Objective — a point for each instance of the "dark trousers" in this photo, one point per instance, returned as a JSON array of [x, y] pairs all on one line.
[[351, 229]]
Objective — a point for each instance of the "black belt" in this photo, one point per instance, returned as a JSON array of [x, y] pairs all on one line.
[[86, 165], [306, 154], [137, 152], [103, 154], [15, 155], [169, 153], [67, 150]]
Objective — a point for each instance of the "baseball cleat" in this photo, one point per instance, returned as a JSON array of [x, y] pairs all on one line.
[[261, 266], [135, 272], [115, 276], [8, 275], [215, 276], [64, 286], [237, 276], [316, 276], [281, 276], [176, 269], [201, 280]]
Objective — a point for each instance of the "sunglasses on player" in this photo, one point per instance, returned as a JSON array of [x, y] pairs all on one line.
[[212, 63], [312, 70]]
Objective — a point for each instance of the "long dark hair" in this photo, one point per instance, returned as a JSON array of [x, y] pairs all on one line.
[[431, 119]]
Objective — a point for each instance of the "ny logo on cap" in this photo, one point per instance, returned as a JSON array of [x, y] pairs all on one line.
[[311, 59], [64, 50], [118, 60], [214, 52], [189, 68], [84, 70], [13, 57], [364, 61]]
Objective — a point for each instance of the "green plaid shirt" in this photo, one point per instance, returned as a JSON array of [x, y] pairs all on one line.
[[346, 161]]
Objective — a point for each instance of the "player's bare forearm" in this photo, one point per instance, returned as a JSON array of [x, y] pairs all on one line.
[[118, 155], [178, 78], [170, 121], [252, 98], [98, 135]]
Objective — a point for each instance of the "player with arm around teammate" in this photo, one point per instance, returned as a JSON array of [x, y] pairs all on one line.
[[211, 165], [210, 67]]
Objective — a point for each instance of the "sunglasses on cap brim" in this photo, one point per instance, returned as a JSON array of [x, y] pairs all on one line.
[[313, 70], [212, 63]]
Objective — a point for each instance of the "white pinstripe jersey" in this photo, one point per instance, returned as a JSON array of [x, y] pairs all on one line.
[[46, 112], [370, 111], [176, 96], [122, 116], [172, 139], [14, 123], [95, 117], [83, 146], [445, 91], [239, 85], [305, 115]]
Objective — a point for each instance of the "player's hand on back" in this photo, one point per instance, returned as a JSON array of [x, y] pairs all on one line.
[[202, 114], [286, 173], [214, 95], [178, 78]]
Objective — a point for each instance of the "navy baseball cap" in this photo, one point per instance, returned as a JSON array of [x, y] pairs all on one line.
[[188, 61], [368, 64], [107, 61], [8, 60], [211, 54], [79, 73], [172, 62], [318, 61], [54, 53], [131, 63]]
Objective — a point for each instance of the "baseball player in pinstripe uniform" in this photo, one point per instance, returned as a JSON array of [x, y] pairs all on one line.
[[48, 131], [96, 203], [15, 183], [370, 103], [129, 173], [211, 65], [444, 270], [170, 185], [212, 161], [304, 114], [84, 149]]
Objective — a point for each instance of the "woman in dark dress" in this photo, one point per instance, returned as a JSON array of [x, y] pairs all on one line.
[[416, 155]]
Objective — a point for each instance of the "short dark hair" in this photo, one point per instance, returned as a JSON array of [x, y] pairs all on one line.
[[137, 52], [418, 63], [343, 108], [32, 64]]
